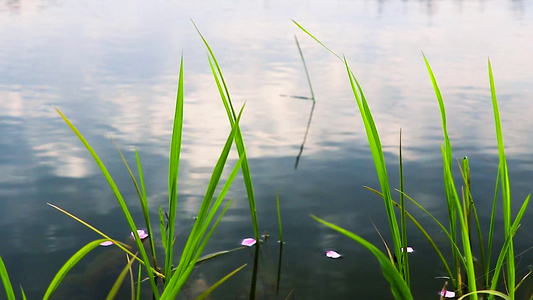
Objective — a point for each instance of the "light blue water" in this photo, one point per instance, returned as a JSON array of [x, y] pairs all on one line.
[[112, 68]]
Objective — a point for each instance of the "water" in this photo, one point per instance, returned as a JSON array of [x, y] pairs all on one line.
[[112, 68]]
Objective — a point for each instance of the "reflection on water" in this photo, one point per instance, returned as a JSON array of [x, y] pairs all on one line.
[[111, 67]]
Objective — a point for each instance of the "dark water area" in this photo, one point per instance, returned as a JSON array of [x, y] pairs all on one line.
[[112, 68]]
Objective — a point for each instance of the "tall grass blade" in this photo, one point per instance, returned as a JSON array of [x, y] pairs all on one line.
[[197, 238], [468, 257], [6, 281], [214, 286], [178, 279], [141, 192], [173, 168], [146, 213], [472, 211], [450, 196], [120, 200], [508, 243], [505, 189], [399, 288], [379, 162], [239, 142], [405, 256], [204, 216]]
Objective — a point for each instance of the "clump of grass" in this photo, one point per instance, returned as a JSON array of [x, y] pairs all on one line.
[[166, 279], [462, 214]]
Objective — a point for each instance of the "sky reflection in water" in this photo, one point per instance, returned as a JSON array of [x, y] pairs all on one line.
[[112, 68]]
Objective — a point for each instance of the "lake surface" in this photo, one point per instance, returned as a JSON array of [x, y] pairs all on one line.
[[112, 68]]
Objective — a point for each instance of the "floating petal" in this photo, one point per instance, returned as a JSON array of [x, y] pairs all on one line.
[[409, 249], [142, 234], [106, 243], [447, 294], [248, 242], [333, 254]]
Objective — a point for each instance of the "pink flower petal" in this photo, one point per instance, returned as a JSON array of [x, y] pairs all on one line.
[[248, 242], [106, 243], [409, 249], [333, 254], [142, 234], [447, 294]]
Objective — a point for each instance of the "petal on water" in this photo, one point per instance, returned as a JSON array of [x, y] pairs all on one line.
[[409, 249], [333, 254], [141, 232], [447, 294], [248, 242], [106, 243]]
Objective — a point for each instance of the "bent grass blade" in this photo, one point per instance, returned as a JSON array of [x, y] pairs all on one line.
[[141, 192], [214, 286], [398, 286], [68, 265], [120, 200]]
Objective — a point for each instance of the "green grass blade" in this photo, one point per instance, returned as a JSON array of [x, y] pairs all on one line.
[[68, 265], [308, 33], [142, 197], [22, 293], [120, 279], [173, 168], [465, 238], [508, 242], [491, 228], [239, 141], [163, 228], [120, 200], [379, 161], [399, 288], [6, 281], [146, 212], [196, 241], [179, 278], [139, 277], [201, 224], [472, 211], [405, 256], [214, 286], [217, 254], [505, 188], [450, 196], [120, 245]]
